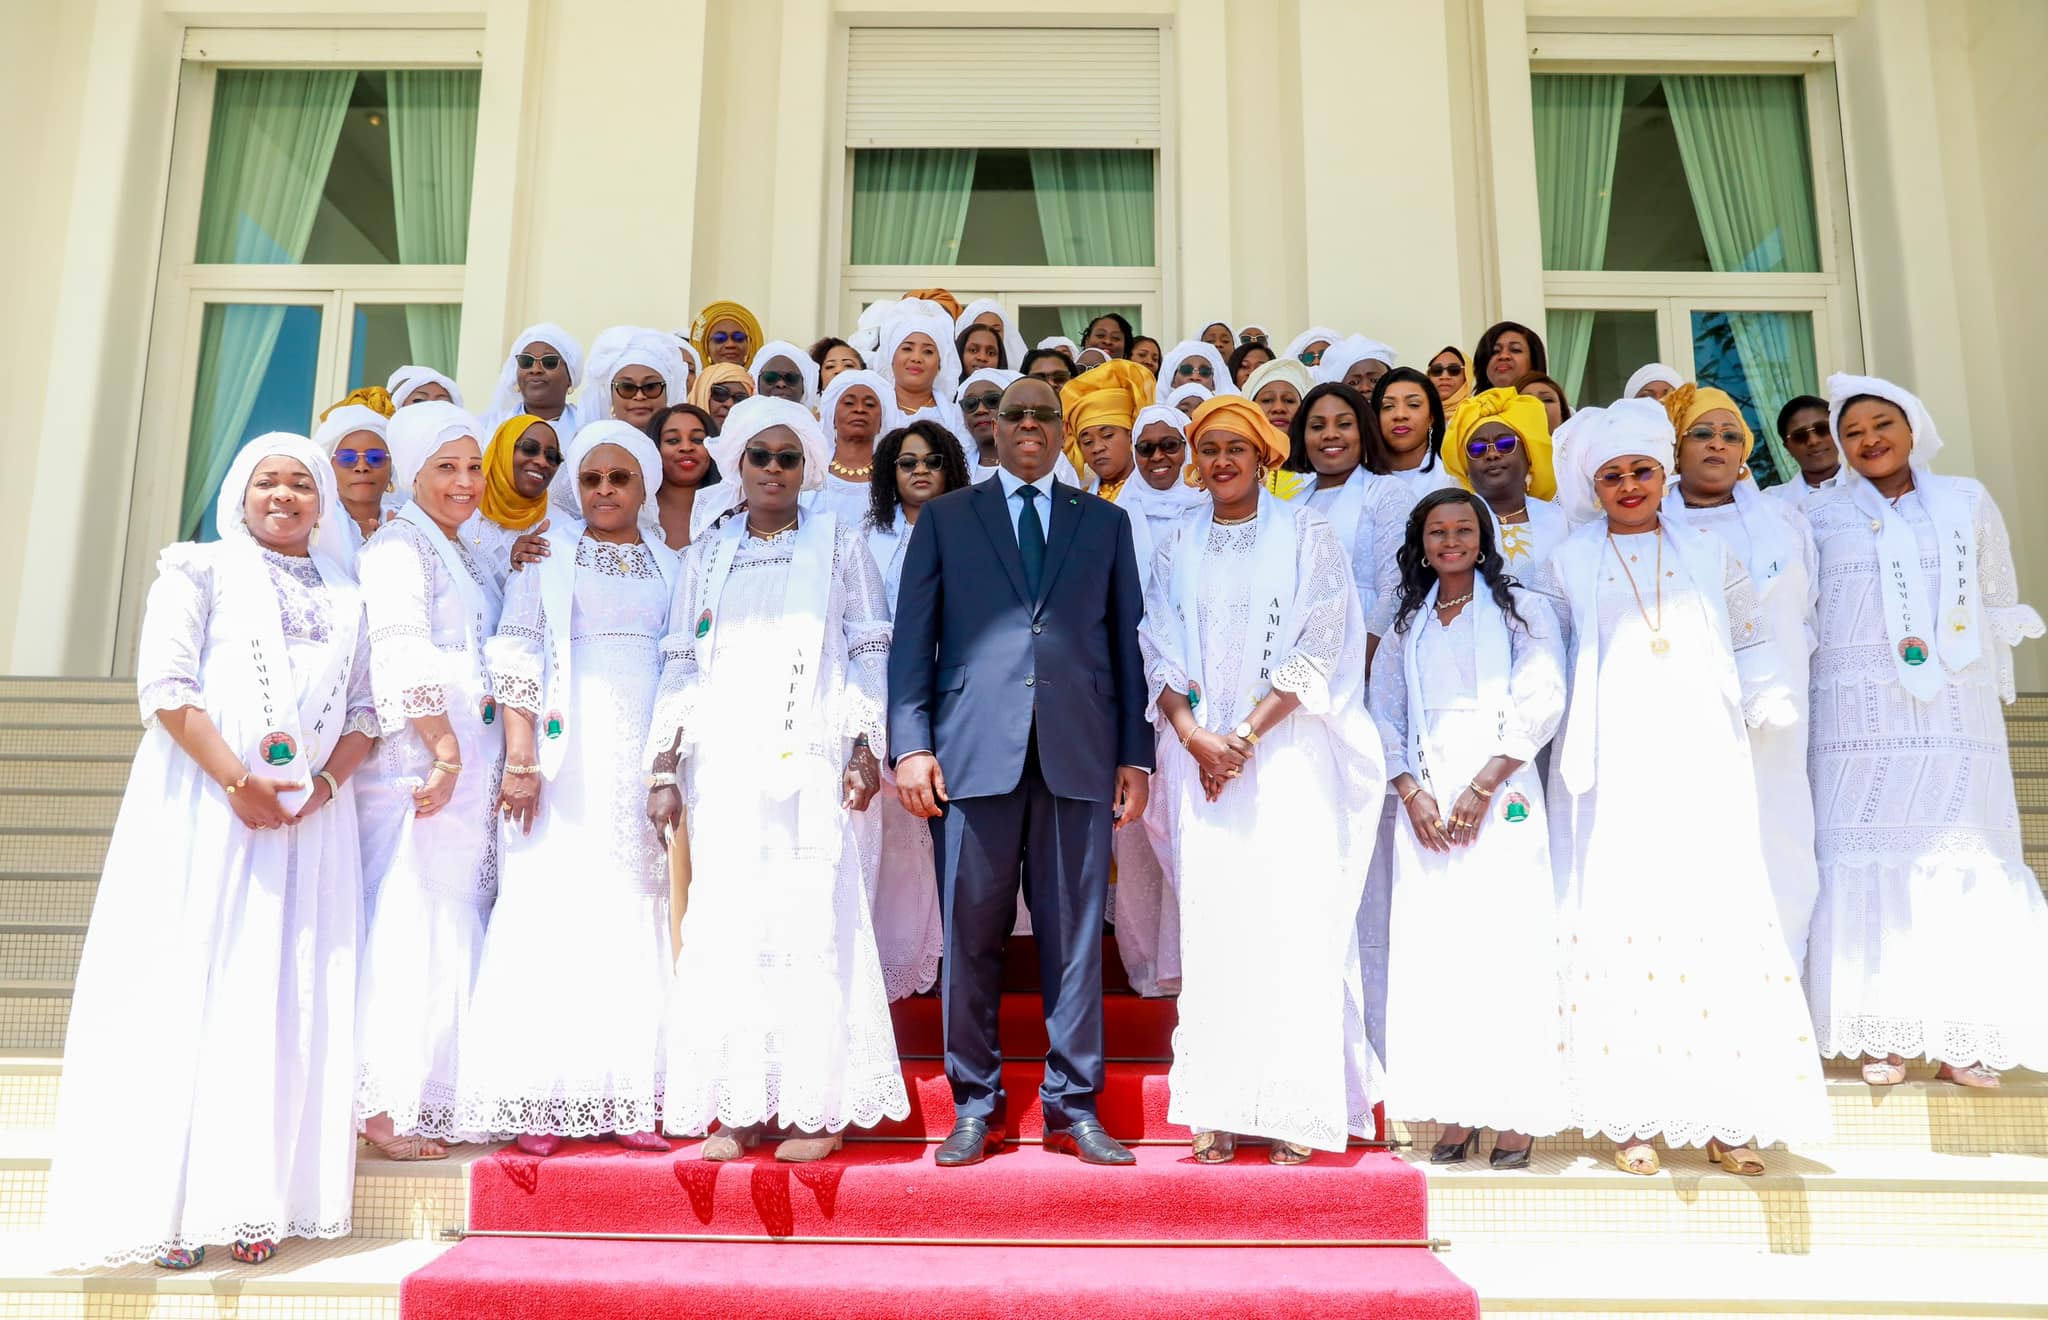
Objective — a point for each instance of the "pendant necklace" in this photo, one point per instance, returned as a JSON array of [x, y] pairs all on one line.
[[851, 473], [1659, 645]]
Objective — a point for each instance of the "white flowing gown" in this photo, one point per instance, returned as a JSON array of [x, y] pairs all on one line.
[[565, 1028], [1683, 1012], [209, 1072], [1271, 1040], [1931, 940], [1473, 1050], [426, 931], [777, 1011]]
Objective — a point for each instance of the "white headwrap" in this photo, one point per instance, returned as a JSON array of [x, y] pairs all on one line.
[[875, 317], [1193, 348], [995, 376], [1290, 369], [417, 433], [634, 441], [230, 511], [1160, 412], [1300, 342], [506, 401], [1647, 373], [750, 417], [805, 367], [1200, 329], [345, 421], [1591, 438], [411, 376], [1342, 355], [631, 346], [1013, 343], [691, 358], [1188, 391], [1063, 344], [930, 320], [828, 406]]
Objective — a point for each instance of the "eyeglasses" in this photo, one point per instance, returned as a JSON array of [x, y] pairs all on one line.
[[1450, 369], [618, 477], [1045, 416], [548, 361], [975, 403], [1799, 434], [920, 462], [1188, 369], [1642, 476], [1499, 444], [1149, 448], [1249, 338], [728, 336], [1309, 357], [646, 389], [376, 458], [770, 379], [730, 393], [786, 460], [534, 449], [1053, 378], [1727, 434]]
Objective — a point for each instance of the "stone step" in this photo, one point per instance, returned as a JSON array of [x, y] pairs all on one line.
[[119, 712], [47, 900], [68, 742], [75, 853], [67, 689], [81, 774], [352, 1278], [84, 812], [40, 954], [33, 1016]]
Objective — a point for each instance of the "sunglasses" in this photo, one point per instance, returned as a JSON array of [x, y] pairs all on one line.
[[534, 449], [730, 393], [1188, 369], [1726, 433], [1451, 369], [1642, 476], [1251, 339], [376, 458], [770, 379], [1149, 448], [975, 403], [1046, 416], [1053, 378], [1817, 430], [786, 460], [728, 336], [1499, 444], [646, 389], [618, 477], [920, 462], [1309, 357], [548, 361]]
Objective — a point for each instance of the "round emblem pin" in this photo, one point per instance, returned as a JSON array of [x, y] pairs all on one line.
[[278, 748], [1913, 650]]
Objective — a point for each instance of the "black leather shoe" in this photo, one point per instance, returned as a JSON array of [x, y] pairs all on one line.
[[1086, 1140], [971, 1141]]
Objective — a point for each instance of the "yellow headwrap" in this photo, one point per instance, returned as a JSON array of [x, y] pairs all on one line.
[[1688, 402], [1108, 395], [1239, 416], [502, 502], [939, 296], [718, 373], [1521, 413], [373, 397], [700, 330]]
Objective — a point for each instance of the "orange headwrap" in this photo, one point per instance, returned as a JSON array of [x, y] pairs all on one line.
[[718, 373], [1688, 402], [939, 296], [502, 503], [1239, 416], [373, 397], [1521, 413], [700, 330]]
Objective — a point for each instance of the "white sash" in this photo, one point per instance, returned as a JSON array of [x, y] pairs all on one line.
[[1494, 661], [1918, 635], [557, 608], [1772, 545], [1269, 624], [1348, 509]]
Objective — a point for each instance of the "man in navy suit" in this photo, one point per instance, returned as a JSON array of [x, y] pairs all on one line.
[[1017, 720]]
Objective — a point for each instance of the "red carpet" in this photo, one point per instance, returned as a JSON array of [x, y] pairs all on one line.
[[1132, 1028], [572, 1280]]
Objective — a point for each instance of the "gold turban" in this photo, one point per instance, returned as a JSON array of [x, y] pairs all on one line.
[[1108, 395], [718, 373], [373, 397], [939, 296], [502, 503], [1521, 413], [1688, 402], [1240, 416], [700, 329]]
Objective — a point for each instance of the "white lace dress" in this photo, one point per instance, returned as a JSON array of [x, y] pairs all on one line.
[[1474, 1050], [1683, 1012], [777, 1011], [1271, 1040], [1931, 939], [1527, 545], [209, 1073], [565, 1028], [426, 929]]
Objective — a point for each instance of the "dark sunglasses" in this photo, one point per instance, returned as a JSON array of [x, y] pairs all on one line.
[[548, 361], [1310, 357], [787, 460], [376, 458], [646, 389], [728, 336], [1817, 430], [1642, 476], [1499, 444], [1251, 339], [729, 393], [1452, 369], [618, 477], [533, 449], [1046, 416], [1170, 448], [770, 379], [1202, 369], [920, 462], [975, 403], [1053, 378]]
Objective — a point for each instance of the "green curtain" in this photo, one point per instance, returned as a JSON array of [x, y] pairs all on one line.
[[1742, 139], [910, 205], [1074, 320], [1094, 207], [433, 158], [1578, 129], [268, 152]]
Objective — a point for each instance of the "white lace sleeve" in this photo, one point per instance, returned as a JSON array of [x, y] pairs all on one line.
[[516, 654], [2007, 622], [864, 701], [362, 697], [1323, 593], [492, 546], [1388, 510], [1766, 701], [1386, 696], [1535, 678], [174, 623], [676, 700], [1160, 645], [397, 572]]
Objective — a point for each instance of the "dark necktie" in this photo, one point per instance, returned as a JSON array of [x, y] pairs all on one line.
[[1031, 538]]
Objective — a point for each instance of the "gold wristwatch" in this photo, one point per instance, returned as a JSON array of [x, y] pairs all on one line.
[[1244, 731]]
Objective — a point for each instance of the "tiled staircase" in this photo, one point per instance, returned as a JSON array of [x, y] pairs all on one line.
[[1930, 1201]]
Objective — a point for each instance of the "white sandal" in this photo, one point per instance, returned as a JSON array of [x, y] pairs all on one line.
[[1883, 1072]]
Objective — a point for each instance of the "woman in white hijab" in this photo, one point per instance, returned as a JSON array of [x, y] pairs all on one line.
[[1931, 938], [1683, 1014], [1309, 346], [361, 483], [1186, 398], [541, 369], [1192, 362], [857, 410], [917, 360], [778, 1012], [413, 383], [1356, 361], [642, 355], [215, 1001], [987, 311], [781, 370], [1652, 380], [431, 608], [564, 1036]]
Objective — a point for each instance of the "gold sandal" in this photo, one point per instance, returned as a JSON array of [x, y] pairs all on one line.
[[1215, 1147], [1640, 1159], [730, 1143], [408, 1149], [1739, 1160], [808, 1148], [1288, 1152]]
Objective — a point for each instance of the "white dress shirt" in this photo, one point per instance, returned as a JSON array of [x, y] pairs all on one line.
[[1012, 483]]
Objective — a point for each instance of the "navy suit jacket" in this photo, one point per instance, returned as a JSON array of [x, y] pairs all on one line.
[[975, 656]]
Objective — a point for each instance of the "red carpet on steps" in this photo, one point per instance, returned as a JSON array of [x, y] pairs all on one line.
[[583, 1280]]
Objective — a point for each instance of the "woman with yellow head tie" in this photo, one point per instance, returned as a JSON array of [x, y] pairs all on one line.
[[1254, 649], [726, 332], [1498, 447]]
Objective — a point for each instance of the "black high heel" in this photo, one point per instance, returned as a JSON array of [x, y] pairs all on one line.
[[1511, 1159], [1455, 1152]]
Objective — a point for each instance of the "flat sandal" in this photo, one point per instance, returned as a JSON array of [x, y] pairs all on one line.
[[1288, 1152], [1215, 1147], [1739, 1160]]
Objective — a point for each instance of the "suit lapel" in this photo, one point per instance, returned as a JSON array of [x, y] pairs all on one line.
[[1064, 525], [995, 520]]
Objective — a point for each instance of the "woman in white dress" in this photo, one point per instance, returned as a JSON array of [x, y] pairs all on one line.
[[564, 1035], [1683, 1012], [1931, 938], [352, 436], [1255, 658], [1714, 495], [1498, 447], [773, 688], [917, 361], [1467, 686], [215, 1001], [1410, 420], [431, 607], [854, 413]]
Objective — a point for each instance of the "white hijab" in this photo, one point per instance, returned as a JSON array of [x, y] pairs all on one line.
[[806, 368], [1297, 345], [1181, 352], [828, 406], [402, 382], [1645, 374], [1342, 355], [1013, 343], [631, 346], [933, 324], [506, 401], [635, 442], [750, 417]]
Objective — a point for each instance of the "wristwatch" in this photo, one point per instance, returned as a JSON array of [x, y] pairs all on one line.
[[1244, 731]]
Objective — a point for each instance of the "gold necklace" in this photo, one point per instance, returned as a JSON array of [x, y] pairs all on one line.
[[1109, 489], [1659, 645], [1234, 522], [1453, 603], [769, 536], [851, 473]]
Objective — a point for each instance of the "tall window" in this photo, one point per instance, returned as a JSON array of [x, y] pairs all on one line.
[[1683, 221]]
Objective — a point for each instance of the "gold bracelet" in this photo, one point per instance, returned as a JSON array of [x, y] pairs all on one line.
[[1410, 794], [239, 783], [522, 770], [449, 767], [1483, 792], [1189, 734], [333, 784]]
